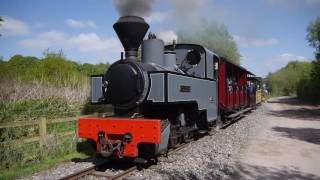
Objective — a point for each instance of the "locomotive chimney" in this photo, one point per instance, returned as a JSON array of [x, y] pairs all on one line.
[[131, 31]]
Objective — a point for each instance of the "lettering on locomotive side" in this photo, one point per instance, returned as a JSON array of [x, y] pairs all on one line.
[[185, 88]]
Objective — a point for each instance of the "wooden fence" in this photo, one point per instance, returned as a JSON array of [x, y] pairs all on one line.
[[42, 123]]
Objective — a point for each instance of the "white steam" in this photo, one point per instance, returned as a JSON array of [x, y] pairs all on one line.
[[188, 13], [134, 7], [167, 36]]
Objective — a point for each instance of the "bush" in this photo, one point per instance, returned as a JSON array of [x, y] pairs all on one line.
[[286, 80], [308, 87]]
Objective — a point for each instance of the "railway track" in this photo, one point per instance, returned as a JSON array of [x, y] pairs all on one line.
[[92, 171]]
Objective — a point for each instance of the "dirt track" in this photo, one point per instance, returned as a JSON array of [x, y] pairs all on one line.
[[287, 145]]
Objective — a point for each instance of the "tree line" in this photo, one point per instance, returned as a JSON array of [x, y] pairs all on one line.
[[52, 69], [285, 81]]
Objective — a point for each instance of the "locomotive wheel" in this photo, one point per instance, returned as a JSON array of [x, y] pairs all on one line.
[[202, 121], [173, 139], [173, 142], [187, 138], [219, 124]]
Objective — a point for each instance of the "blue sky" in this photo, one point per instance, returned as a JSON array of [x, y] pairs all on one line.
[[268, 33]]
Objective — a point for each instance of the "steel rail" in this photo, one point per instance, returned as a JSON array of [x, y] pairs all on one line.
[[80, 174]]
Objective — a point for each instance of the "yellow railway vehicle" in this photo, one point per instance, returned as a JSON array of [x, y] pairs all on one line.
[[258, 96]]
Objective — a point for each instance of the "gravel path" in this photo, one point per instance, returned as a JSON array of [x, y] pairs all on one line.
[[287, 147]]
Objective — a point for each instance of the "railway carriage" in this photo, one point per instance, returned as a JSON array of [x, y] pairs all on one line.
[[232, 87]]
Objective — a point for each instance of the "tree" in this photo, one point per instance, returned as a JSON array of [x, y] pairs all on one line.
[[214, 37], [308, 88], [313, 36]]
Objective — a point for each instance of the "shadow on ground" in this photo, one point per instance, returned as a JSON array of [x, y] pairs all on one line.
[[261, 172], [290, 101], [310, 135], [303, 113]]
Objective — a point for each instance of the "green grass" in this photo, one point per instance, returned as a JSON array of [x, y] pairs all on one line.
[[84, 149], [61, 127], [42, 165]]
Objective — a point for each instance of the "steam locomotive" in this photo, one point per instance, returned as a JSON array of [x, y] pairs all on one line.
[[175, 93]]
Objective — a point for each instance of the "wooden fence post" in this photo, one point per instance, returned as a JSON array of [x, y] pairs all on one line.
[[42, 130]]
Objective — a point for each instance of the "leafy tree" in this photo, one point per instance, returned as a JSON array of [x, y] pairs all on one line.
[[313, 36], [214, 37], [309, 87]]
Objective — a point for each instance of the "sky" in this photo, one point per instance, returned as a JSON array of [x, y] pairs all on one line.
[[269, 33]]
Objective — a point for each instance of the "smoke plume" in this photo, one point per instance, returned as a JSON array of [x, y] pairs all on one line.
[[188, 13], [134, 7]]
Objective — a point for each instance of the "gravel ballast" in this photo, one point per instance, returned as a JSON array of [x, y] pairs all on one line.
[[60, 171], [211, 157]]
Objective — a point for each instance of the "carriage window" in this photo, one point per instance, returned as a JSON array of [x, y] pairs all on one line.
[[215, 66]]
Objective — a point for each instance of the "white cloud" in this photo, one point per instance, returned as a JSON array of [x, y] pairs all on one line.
[[45, 40], [281, 60], [156, 17], [167, 36], [286, 57], [91, 24], [254, 42], [91, 43], [80, 24], [103, 48], [13, 27]]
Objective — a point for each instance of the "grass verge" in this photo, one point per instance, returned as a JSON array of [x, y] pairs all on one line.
[[42, 165]]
